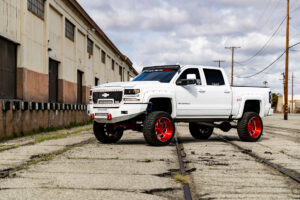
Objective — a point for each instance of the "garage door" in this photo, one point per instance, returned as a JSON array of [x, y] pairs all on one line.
[[8, 57]]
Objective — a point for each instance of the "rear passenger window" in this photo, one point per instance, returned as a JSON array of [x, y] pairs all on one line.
[[213, 77]]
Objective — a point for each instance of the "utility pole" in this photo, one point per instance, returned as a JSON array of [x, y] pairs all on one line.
[[232, 50], [219, 61], [286, 83], [293, 92]]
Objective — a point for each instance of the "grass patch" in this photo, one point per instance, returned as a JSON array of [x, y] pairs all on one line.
[[44, 130], [58, 136], [181, 179], [282, 151]]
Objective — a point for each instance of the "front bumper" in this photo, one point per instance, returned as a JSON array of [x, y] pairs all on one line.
[[125, 112]]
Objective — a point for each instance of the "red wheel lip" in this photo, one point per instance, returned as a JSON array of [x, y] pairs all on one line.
[[254, 127], [163, 129]]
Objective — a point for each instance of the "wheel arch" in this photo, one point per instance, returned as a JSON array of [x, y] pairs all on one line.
[[159, 98], [253, 104]]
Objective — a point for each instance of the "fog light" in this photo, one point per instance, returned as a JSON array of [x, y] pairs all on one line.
[[109, 117], [131, 99]]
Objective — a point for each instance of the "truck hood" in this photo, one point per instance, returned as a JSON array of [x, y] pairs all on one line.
[[131, 84]]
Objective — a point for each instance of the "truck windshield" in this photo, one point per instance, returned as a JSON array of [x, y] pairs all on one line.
[[161, 75]]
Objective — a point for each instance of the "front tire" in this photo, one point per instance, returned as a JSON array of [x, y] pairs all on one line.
[[106, 133], [200, 132], [159, 128], [250, 127]]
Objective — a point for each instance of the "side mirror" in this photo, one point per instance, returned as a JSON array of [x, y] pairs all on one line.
[[191, 76], [191, 80]]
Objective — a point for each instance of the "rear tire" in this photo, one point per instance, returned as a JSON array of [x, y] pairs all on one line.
[[200, 132], [159, 128], [250, 127], [105, 133]]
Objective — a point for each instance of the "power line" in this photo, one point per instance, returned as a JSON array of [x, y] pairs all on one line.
[[265, 45], [219, 61], [264, 69]]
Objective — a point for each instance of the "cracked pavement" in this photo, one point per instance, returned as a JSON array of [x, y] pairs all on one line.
[[129, 169], [79, 167]]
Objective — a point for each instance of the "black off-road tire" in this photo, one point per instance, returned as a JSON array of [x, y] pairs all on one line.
[[200, 132], [149, 130], [105, 134], [242, 127]]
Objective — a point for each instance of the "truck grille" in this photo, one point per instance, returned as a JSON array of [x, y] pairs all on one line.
[[114, 97]]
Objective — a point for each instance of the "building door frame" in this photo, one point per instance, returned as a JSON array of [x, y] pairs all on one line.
[[53, 80], [8, 69]]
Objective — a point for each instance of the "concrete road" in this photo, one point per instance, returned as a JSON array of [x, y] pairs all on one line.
[[79, 167], [72, 164], [225, 172]]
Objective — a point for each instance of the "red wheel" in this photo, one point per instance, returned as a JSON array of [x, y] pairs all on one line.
[[163, 129], [159, 128], [250, 127], [254, 127]]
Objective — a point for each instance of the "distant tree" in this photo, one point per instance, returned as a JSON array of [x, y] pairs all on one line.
[[265, 83], [274, 100]]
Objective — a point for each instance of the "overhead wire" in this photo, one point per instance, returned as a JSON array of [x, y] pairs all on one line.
[[265, 45], [249, 76]]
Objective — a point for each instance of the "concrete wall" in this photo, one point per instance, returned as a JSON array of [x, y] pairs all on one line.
[[14, 120], [292, 106], [40, 39]]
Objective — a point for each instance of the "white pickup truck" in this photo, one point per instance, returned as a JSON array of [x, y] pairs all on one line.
[[162, 95]]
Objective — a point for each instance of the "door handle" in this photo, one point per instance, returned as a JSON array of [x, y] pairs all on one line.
[[201, 91], [227, 91]]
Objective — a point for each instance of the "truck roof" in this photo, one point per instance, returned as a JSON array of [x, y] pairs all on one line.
[[176, 67]]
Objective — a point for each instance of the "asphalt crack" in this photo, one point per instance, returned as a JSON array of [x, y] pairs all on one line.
[[35, 159]]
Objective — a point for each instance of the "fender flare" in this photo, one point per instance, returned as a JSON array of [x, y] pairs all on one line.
[[170, 96], [247, 98]]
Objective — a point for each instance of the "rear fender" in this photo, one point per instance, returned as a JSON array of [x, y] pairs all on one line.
[[242, 106]]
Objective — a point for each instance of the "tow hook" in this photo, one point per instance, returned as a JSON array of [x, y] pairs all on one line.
[[109, 117], [92, 117]]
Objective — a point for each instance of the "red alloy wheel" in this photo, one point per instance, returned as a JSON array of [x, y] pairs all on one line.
[[163, 129], [254, 127]]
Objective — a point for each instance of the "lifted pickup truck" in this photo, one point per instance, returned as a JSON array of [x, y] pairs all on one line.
[[162, 95]]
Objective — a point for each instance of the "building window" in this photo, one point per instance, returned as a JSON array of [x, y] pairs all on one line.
[[96, 81], [112, 64], [128, 76], [103, 56], [36, 7], [90, 46], [69, 29]]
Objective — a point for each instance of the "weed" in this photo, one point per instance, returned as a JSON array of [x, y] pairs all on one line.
[[43, 130], [182, 179]]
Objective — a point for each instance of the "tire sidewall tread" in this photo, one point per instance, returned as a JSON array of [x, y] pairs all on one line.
[[242, 127], [149, 128]]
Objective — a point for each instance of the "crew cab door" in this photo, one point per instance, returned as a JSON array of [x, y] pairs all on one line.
[[187, 102], [216, 95]]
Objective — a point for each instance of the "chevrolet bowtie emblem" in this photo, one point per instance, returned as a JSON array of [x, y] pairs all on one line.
[[105, 95]]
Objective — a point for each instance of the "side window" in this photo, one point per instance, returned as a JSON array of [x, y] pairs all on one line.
[[214, 77], [191, 71]]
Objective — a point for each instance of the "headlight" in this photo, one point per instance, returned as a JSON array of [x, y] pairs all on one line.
[[131, 91]]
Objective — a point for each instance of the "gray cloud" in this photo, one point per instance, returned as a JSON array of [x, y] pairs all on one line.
[[196, 32]]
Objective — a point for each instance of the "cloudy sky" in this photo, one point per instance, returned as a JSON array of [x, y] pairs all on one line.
[[155, 32]]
